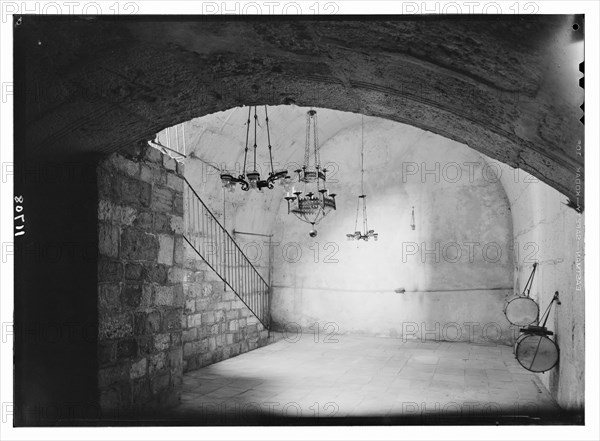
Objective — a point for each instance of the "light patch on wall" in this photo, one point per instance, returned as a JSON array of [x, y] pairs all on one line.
[[444, 265]]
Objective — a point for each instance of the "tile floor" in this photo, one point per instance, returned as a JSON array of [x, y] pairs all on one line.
[[368, 377]]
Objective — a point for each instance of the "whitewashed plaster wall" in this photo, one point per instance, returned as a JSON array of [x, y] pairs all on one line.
[[546, 231], [455, 292]]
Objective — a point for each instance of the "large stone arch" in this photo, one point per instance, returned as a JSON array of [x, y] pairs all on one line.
[[506, 86]]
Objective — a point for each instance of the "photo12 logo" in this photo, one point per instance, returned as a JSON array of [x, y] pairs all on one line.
[[468, 251], [465, 409], [466, 172], [8, 169], [469, 7], [294, 332], [228, 411], [291, 252], [10, 9], [7, 331], [7, 91], [451, 252], [8, 249], [55, 411], [269, 8], [436, 332], [7, 412]]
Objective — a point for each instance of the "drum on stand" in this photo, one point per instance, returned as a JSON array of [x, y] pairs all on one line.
[[536, 352], [533, 349], [521, 311]]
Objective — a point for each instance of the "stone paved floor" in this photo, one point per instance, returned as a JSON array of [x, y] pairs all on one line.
[[367, 377]]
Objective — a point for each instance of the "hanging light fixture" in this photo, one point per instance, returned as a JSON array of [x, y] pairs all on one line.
[[252, 179], [314, 201], [366, 234]]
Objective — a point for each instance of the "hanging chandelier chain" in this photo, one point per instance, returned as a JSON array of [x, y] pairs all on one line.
[[307, 148], [362, 155], [255, 124], [269, 140], [247, 136], [314, 203], [357, 209], [365, 224], [253, 180], [365, 234], [317, 161], [362, 172], [317, 154]]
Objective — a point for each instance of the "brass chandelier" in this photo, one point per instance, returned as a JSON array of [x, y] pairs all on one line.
[[252, 179], [308, 198], [365, 234]]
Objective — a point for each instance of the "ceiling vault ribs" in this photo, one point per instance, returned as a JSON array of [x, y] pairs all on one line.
[[412, 57], [484, 124], [459, 73], [315, 77]]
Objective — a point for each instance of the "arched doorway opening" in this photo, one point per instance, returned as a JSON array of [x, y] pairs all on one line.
[[89, 86]]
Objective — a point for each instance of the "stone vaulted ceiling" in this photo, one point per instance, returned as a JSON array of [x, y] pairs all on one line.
[[506, 86]]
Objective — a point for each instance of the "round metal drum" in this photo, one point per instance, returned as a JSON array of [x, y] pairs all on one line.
[[521, 311], [536, 353]]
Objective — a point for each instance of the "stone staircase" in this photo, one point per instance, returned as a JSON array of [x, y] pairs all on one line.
[[216, 323]]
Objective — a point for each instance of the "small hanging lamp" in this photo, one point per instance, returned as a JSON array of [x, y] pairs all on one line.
[[365, 234]]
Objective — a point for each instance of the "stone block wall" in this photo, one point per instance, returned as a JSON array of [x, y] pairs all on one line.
[[140, 291], [217, 325]]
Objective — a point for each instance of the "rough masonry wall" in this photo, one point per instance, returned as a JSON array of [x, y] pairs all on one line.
[[140, 291], [217, 324]]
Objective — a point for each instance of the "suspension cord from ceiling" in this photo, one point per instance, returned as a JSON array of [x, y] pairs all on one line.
[[247, 135]]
